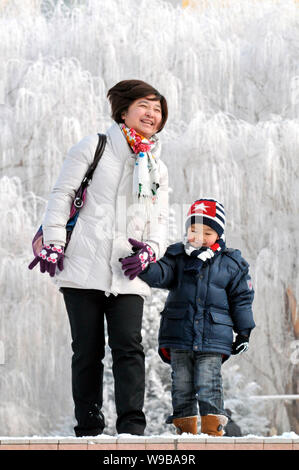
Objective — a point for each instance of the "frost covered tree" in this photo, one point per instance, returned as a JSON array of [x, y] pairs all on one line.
[[248, 412], [158, 396]]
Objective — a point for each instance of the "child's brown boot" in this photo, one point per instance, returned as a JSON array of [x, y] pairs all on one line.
[[213, 424], [187, 424]]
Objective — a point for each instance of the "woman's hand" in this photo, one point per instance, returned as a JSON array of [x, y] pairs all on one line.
[[49, 257], [139, 260]]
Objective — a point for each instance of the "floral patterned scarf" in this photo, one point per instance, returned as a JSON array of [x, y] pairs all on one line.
[[146, 176]]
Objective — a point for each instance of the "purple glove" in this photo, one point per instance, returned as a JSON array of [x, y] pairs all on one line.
[[49, 257], [139, 260]]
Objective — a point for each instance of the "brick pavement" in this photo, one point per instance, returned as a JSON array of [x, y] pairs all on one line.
[[126, 442]]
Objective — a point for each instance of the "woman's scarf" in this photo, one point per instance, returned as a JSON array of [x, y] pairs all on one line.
[[146, 175], [203, 255]]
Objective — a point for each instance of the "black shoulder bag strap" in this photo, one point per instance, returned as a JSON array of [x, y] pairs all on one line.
[[78, 201]]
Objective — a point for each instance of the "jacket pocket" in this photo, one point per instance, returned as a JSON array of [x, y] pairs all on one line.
[[220, 327], [221, 318], [173, 320]]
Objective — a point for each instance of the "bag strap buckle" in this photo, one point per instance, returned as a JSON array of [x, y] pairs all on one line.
[[78, 202]]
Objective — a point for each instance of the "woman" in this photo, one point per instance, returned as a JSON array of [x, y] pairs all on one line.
[[128, 197]]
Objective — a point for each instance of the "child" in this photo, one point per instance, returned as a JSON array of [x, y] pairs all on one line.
[[210, 296]]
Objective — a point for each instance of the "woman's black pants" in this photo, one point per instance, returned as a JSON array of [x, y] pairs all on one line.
[[86, 310]]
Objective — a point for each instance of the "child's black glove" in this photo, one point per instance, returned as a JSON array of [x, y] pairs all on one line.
[[240, 345]]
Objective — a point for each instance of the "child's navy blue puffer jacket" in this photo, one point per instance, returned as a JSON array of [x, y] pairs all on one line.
[[202, 308]]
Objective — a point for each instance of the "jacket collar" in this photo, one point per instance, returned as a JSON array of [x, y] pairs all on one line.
[[118, 142], [176, 249]]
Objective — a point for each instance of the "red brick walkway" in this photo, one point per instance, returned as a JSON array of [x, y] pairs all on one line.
[[127, 442]]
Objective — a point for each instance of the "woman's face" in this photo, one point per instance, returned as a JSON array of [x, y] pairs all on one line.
[[144, 115]]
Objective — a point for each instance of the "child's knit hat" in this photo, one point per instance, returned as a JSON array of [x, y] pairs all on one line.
[[208, 212]]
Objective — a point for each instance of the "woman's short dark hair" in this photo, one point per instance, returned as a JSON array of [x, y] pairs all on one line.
[[122, 95]]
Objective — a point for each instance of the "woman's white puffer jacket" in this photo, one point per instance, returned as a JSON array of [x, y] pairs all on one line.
[[108, 218]]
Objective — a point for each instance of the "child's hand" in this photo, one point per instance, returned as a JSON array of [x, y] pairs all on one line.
[[138, 261], [241, 344], [138, 246]]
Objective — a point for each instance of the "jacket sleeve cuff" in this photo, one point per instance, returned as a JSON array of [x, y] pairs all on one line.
[[244, 333], [56, 236]]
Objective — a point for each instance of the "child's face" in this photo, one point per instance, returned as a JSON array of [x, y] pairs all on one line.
[[200, 235]]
